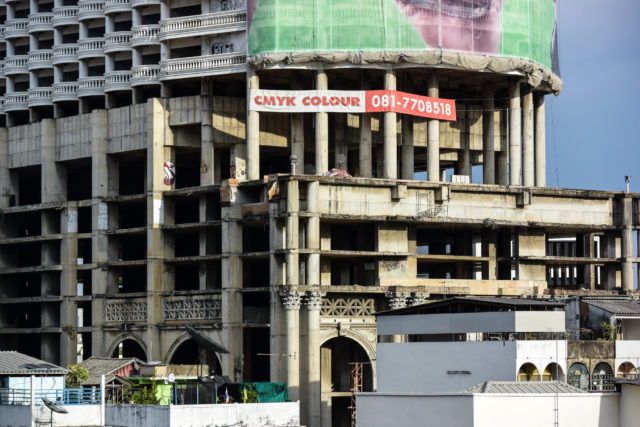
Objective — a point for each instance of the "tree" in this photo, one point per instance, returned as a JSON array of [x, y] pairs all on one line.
[[608, 330], [76, 376]]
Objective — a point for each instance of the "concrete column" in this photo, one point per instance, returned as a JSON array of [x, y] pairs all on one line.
[[293, 205], [589, 271], [407, 147], [313, 235], [397, 300], [627, 244], [488, 140], [53, 175], [277, 330], [489, 249], [364, 151], [207, 151], [463, 165], [341, 149], [609, 249], [253, 130], [390, 132], [68, 283], [322, 129], [314, 303], [503, 156], [100, 178], [527, 142], [238, 161], [159, 150], [291, 301], [515, 133], [433, 135], [540, 142], [297, 130]]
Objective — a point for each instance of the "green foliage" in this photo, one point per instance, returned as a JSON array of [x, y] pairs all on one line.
[[249, 394], [76, 376], [608, 331], [146, 396]]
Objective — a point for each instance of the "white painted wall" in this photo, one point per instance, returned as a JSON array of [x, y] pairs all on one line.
[[78, 415], [245, 414], [630, 406], [137, 415], [491, 410], [423, 366], [452, 323], [15, 416], [630, 329], [405, 410], [627, 351], [528, 410], [541, 353]]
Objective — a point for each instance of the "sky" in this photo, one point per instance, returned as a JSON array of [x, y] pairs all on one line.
[[593, 126]]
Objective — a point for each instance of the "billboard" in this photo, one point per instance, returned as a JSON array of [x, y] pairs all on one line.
[[509, 28]]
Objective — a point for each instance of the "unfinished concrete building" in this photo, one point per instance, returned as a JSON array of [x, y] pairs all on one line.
[[139, 192]]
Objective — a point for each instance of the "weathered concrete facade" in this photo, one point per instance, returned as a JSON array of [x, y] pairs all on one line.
[[130, 211]]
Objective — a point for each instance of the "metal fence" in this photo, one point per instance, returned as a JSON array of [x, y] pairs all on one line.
[[67, 396]]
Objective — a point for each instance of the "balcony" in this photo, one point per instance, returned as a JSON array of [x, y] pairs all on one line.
[[144, 75], [90, 86], [115, 6], [39, 96], [117, 41], [200, 25], [117, 81], [39, 59], [2, 68], [40, 22], [140, 3], [65, 15], [201, 66], [1, 104], [2, 28], [16, 65], [16, 101], [90, 9], [91, 48], [144, 35], [65, 54], [16, 28], [198, 307], [65, 91]]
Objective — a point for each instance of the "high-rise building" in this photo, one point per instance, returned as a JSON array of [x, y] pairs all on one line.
[[143, 187]]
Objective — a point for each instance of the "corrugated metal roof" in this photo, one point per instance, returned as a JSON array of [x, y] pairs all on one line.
[[508, 303], [627, 308], [15, 363], [98, 366], [520, 387]]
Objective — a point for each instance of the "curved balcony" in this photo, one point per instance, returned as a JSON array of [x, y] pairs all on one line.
[[115, 6], [65, 15], [2, 28], [91, 48], [16, 101], [201, 66], [117, 81], [65, 54], [39, 22], [39, 59], [39, 96], [141, 3], [200, 25], [16, 64], [65, 91], [90, 9], [117, 41], [16, 28], [145, 75], [90, 86], [144, 35]]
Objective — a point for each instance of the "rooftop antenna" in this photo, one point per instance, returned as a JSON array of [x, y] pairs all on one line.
[[627, 178]]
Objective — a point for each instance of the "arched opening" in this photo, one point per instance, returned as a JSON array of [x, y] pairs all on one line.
[[601, 377], [553, 372], [579, 376], [344, 365], [129, 348], [528, 372], [627, 370], [188, 353]]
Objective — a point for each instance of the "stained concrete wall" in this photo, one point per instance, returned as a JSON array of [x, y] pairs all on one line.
[[137, 415], [73, 137], [15, 416], [629, 408], [24, 145]]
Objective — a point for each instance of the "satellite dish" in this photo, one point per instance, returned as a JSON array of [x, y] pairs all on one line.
[[53, 407], [171, 378]]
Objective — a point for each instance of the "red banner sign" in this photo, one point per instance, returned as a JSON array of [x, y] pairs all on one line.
[[336, 101]]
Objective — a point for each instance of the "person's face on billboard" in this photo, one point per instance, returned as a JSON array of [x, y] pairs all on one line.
[[460, 25]]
